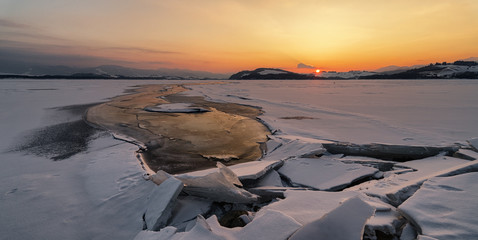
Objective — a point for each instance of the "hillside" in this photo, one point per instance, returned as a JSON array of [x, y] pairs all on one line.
[[458, 69]]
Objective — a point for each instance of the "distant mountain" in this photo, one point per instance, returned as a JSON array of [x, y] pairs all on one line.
[[269, 73], [107, 71], [474, 59], [396, 69], [458, 69]]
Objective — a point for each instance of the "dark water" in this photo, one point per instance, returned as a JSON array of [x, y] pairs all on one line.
[[63, 140]]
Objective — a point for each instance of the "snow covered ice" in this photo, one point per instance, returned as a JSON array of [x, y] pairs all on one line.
[[445, 207], [325, 174]]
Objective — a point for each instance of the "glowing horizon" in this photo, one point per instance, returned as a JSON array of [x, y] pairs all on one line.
[[228, 36]]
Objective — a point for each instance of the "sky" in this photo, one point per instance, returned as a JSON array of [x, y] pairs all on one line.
[[233, 35]]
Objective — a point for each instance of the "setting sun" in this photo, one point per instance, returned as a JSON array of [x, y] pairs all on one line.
[[317, 71]]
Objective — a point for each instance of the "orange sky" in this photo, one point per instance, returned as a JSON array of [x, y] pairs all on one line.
[[232, 35]]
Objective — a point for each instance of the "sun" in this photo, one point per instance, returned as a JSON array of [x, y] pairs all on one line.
[[317, 71]]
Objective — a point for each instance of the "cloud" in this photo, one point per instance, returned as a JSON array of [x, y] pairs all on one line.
[[141, 50], [301, 65], [28, 56], [11, 24]]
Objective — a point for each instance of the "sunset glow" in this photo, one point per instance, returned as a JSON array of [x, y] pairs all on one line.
[[228, 36]]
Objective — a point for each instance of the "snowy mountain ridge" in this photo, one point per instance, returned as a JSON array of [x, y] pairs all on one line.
[[457, 69]]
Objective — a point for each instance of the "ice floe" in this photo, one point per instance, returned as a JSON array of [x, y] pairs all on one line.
[[396, 188], [281, 147], [473, 143], [445, 207], [186, 210], [325, 173], [272, 179], [221, 185], [345, 222], [308, 206], [244, 171], [388, 152], [161, 203]]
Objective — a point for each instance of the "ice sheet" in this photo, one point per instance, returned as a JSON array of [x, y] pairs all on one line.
[[324, 173], [425, 112], [445, 207]]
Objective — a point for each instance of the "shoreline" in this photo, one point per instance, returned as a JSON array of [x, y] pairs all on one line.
[[181, 141]]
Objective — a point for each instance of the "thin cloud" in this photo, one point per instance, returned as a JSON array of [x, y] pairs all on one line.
[[10, 24], [301, 65], [8, 54], [142, 50]]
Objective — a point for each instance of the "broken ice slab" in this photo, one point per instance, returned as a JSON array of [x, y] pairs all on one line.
[[165, 233], [423, 237], [176, 108], [186, 210], [220, 185], [324, 173], [473, 144], [161, 203], [445, 207], [466, 154], [408, 232], [379, 164], [345, 222], [200, 230], [272, 179], [384, 223], [245, 171], [395, 189], [399, 153], [308, 206], [287, 146], [269, 225]]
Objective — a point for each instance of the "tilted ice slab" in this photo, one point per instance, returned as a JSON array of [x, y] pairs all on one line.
[[308, 206], [343, 223], [396, 188], [474, 143], [186, 210], [388, 152], [272, 179], [244, 171], [220, 185], [324, 173], [386, 222], [281, 147], [175, 108], [445, 207], [161, 203], [270, 225], [466, 154], [165, 233]]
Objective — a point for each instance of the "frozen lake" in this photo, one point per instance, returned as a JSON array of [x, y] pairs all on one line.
[[99, 193], [362, 111]]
